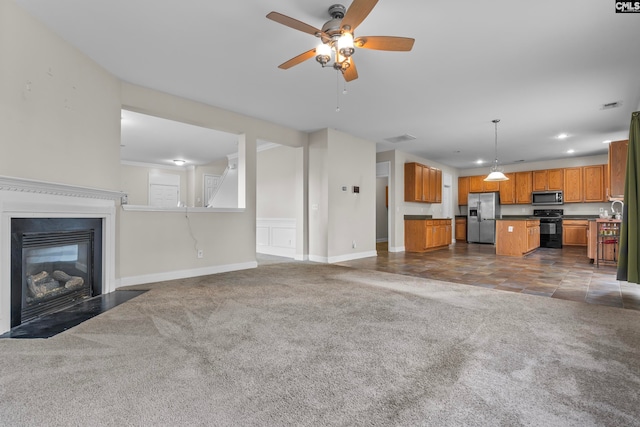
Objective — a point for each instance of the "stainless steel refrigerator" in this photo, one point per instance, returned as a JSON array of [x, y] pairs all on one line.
[[483, 209]]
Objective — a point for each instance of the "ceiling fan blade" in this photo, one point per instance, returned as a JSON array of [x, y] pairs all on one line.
[[357, 12], [350, 73], [295, 24], [298, 59], [402, 44]]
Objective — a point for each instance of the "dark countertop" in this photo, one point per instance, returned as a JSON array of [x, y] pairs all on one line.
[[516, 218], [418, 217]]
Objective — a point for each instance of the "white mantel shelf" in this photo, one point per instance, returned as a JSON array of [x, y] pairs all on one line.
[[55, 189]]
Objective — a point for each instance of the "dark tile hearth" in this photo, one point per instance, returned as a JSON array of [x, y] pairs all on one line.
[[52, 324]]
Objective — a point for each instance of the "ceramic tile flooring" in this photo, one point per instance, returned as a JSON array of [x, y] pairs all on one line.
[[564, 273]]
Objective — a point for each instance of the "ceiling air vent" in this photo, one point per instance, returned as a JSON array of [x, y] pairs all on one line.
[[402, 138], [610, 105]]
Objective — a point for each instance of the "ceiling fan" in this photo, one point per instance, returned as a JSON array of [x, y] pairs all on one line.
[[337, 38]]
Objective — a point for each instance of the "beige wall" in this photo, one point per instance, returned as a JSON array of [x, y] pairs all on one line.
[[339, 218], [279, 193], [59, 111]]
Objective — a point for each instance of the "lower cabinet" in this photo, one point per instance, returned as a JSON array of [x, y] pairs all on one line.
[[517, 238], [421, 235], [461, 229], [575, 232]]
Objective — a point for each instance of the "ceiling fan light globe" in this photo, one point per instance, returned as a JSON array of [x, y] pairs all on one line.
[[345, 44], [323, 53]]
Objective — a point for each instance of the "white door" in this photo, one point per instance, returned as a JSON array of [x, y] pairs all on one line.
[[211, 184], [165, 196]]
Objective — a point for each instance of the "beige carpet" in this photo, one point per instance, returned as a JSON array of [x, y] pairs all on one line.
[[309, 344]]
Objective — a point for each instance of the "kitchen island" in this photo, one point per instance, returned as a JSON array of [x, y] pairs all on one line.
[[517, 236], [423, 233]]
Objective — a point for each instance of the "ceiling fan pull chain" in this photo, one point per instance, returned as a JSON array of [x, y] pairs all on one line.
[[338, 91]]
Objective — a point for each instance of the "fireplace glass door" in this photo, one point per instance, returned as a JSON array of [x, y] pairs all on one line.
[[55, 264]]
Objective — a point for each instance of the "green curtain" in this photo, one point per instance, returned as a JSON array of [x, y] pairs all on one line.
[[629, 256]]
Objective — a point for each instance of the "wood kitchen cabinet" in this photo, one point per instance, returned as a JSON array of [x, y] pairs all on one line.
[[524, 185], [463, 190], [575, 232], [548, 180], [461, 229], [422, 235], [508, 190], [593, 179], [477, 184], [617, 169], [422, 183], [573, 185], [517, 238]]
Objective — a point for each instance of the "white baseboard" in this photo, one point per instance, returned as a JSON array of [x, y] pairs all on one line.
[[342, 258], [301, 257], [184, 274], [397, 249], [271, 250]]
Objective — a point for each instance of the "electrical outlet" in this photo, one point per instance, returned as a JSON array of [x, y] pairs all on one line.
[[353, 244], [601, 210], [200, 253]]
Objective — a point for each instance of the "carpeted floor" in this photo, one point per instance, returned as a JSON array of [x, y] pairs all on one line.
[[309, 344]]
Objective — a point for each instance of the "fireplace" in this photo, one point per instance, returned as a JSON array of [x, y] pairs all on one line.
[[55, 263], [38, 200]]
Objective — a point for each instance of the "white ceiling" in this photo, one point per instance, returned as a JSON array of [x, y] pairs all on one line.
[[543, 67]]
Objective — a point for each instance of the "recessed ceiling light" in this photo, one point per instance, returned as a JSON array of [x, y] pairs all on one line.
[[608, 141], [571, 151], [179, 162], [479, 162], [562, 136]]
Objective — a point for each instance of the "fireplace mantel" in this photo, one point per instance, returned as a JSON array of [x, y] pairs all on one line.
[[31, 186], [20, 198]]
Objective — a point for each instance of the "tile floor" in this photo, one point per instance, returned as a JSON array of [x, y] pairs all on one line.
[[564, 273]]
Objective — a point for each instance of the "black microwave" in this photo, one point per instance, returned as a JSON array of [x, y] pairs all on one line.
[[547, 198]]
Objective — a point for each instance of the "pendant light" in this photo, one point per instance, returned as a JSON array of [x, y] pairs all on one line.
[[496, 171]]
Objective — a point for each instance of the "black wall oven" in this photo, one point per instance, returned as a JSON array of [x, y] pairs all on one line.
[[550, 227]]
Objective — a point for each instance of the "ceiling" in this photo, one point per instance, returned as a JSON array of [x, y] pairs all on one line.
[[542, 67]]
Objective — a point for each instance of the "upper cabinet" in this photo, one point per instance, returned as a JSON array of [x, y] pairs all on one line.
[[477, 184], [524, 185], [508, 190], [422, 183], [463, 190], [593, 178], [549, 179], [583, 184], [573, 185], [617, 169]]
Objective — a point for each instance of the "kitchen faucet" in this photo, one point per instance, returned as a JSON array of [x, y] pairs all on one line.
[[617, 215]]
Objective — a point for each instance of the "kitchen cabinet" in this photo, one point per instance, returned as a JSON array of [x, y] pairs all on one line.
[[463, 190], [422, 183], [593, 179], [477, 184], [573, 185], [461, 229], [517, 237], [524, 185], [617, 169], [575, 232], [548, 180], [508, 190], [422, 235]]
